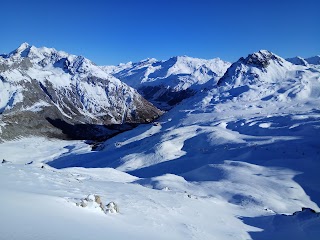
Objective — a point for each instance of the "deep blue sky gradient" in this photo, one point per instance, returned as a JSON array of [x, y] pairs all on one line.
[[114, 31]]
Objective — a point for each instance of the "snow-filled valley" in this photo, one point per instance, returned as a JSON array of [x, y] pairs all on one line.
[[237, 159]]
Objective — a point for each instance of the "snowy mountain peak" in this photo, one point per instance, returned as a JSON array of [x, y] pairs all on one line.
[[50, 58], [25, 50], [262, 66], [23, 46], [22, 50], [261, 59]]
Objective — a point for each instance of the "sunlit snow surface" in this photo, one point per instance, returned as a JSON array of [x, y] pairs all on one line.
[[224, 164]]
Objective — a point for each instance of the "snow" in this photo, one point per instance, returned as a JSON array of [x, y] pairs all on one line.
[[37, 107], [47, 196], [313, 62], [72, 80], [265, 125], [38, 150], [223, 164], [178, 73]]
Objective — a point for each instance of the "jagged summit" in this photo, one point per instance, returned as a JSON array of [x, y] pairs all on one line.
[[23, 47], [50, 58], [268, 79], [256, 65], [261, 59], [22, 50]]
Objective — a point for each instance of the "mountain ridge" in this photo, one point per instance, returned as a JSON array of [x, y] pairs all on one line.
[[165, 83], [45, 83]]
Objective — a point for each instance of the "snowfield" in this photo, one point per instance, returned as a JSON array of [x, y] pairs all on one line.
[[236, 161]]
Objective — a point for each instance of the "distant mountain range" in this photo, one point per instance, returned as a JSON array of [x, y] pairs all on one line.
[[52, 93], [312, 61], [166, 83]]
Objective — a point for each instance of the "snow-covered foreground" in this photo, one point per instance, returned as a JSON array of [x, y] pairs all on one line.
[[39, 203]]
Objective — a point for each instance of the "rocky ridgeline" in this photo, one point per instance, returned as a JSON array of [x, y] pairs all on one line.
[[51, 93]]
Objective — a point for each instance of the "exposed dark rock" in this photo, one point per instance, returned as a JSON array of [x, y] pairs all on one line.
[[260, 59], [163, 97]]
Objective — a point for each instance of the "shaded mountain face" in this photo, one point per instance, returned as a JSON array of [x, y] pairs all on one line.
[[298, 61], [166, 83], [52, 93], [312, 62]]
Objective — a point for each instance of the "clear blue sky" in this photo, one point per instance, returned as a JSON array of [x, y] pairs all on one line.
[[114, 31]]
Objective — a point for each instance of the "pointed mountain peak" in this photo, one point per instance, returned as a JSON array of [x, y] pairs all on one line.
[[23, 46], [260, 59], [22, 50], [250, 69]]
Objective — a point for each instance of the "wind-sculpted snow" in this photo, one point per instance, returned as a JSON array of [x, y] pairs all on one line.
[[223, 164], [41, 83]]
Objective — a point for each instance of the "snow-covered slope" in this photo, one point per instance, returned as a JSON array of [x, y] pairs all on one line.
[[42, 85], [226, 163], [41, 202], [298, 61], [166, 83], [252, 141]]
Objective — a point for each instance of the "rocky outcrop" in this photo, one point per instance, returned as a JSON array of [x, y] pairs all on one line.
[[93, 201], [112, 207], [260, 59]]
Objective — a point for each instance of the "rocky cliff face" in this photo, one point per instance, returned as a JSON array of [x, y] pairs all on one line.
[[51, 93]]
